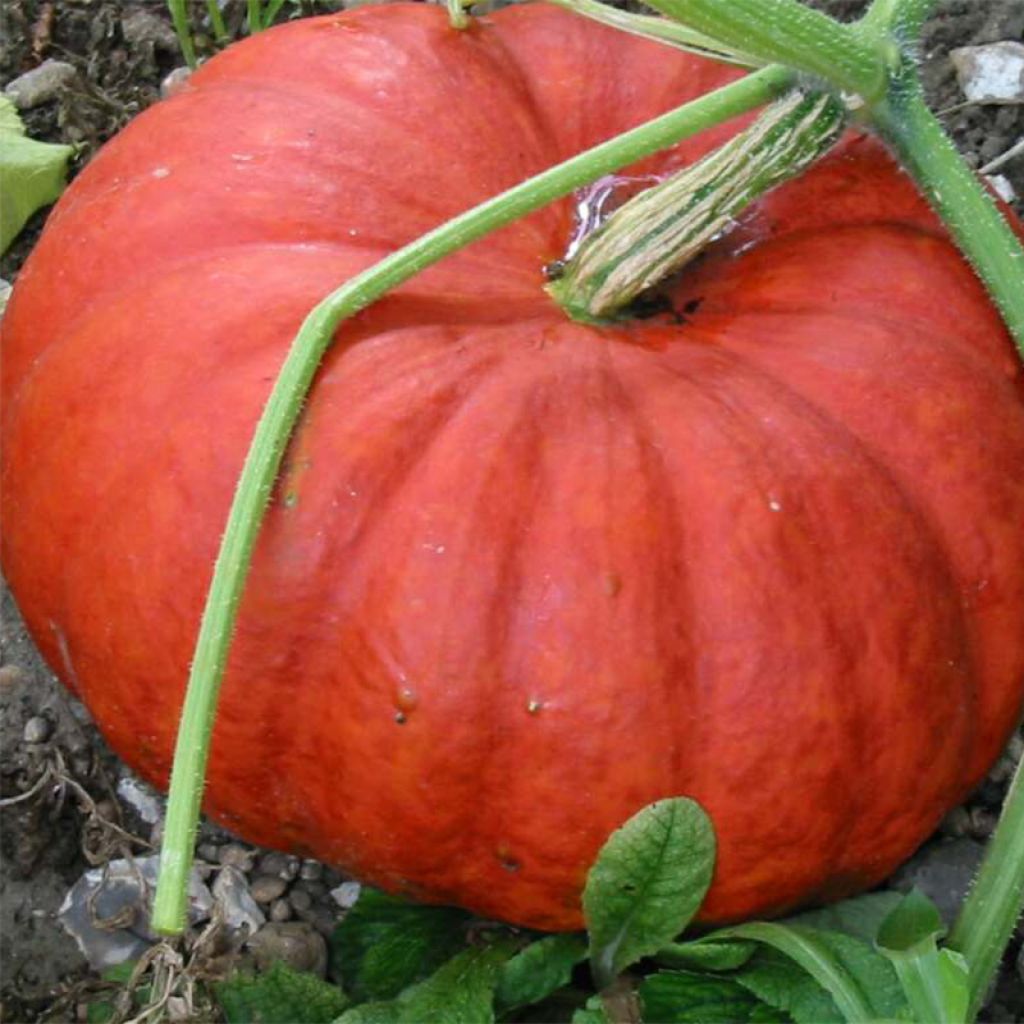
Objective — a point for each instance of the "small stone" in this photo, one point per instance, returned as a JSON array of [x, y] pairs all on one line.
[[323, 921], [234, 855], [37, 730], [175, 82], [11, 675], [983, 822], [1003, 187], [298, 944], [272, 864], [108, 914], [943, 871], [993, 73], [41, 84], [292, 865], [267, 888], [346, 894], [280, 910], [146, 803], [209, 852], [144, 28], [311, 871], [300, 899], [234, 901], [957, 823]]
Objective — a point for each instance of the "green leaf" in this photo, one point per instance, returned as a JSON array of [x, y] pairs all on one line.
[[32, 174], [592, 1013], [372, 1013], [915, 921], [861, 917], [279, 996], [649, 879], [936, 982], [706, 955], [837, 978], [385, 944], [686, 997], [460, 992], [538, 970]]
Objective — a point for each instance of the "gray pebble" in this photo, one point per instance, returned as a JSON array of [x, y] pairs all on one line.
[[209, 852], [234, 855], [983, 822], [957, 823], [272, 864], [144, 28], [299, 945], [11, 675], [37, 730], [346, 894], [175, 81], [267, 888], [280, 910], [40, 85], [311, 870], [300, 899], [292, 865]]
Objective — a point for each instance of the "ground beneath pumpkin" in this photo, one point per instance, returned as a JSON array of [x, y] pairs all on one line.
[[75, 819]]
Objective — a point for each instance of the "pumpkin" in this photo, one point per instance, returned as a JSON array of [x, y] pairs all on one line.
[[520, 576]]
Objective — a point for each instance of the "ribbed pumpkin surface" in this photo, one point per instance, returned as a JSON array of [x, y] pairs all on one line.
[[520, 576]]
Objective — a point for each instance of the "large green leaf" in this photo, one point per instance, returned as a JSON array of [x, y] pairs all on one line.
[[688, 997], [538, 970], [649, 879], [385, 944]]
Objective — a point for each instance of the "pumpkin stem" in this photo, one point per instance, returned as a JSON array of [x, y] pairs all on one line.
[[663, 228], [787, 32], [457, 15], [285, 403]]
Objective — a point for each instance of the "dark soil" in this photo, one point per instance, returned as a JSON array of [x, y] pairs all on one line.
[[74, 818]]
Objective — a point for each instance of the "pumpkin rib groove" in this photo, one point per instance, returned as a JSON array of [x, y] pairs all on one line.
[[836, 428], [679, 597]]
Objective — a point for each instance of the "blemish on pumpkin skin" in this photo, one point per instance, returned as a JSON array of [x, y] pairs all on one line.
[[533, 707], [507, 861], [612, 584]]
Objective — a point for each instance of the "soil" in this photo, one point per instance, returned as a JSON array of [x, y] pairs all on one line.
[[67, 815]]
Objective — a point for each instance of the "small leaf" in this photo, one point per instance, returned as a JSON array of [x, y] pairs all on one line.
[[372, 1013], [385, 944], [538, 970], [915, 921], [649, 879], [936, 982], [706, 955], [460, 992], [685, 997], [279, 996], [592, 1013], [32, 174]]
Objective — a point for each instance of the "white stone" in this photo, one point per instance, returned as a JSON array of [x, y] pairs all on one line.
[[993, 73]]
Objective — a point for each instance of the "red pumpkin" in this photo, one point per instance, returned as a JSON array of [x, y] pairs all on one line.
[[520, 576]]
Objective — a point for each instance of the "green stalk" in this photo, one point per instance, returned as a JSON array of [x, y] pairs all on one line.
[[787, 32], [902, 18], [953, 189], [179, 18], [219, 29], [996, 900], [662, 30], [281, 412]]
